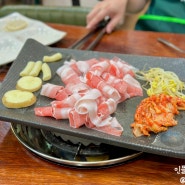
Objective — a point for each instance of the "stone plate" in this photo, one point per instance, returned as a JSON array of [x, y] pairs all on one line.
[[169, 143]]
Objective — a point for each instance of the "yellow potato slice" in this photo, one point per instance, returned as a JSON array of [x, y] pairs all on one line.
[[18, 99], [53, 58], [27, 69], [46, 72], [36, 69], [15, 25], [29, 83]]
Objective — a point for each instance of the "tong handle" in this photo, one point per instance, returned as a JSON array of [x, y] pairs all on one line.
[[95, 42], [103, 23], [100, 26]]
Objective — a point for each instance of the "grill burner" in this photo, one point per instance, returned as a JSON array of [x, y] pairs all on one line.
[[71, 150], [53, 147]]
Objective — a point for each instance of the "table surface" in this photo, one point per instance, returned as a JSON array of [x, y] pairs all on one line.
[[20, 166]]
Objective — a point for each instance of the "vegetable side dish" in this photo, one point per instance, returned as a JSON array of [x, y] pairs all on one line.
[[161, 81], [156, 114], [22, 96]]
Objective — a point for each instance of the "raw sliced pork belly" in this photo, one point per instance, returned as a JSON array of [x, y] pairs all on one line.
[[107, 90], [91, 93], [54, 91]]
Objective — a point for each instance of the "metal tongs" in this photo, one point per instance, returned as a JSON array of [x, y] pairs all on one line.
[[100, 29]]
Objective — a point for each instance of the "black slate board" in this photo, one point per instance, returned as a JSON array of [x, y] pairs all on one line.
[[169, 143]]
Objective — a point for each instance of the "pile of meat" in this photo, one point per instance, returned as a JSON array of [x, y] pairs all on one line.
[[91, 92]]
